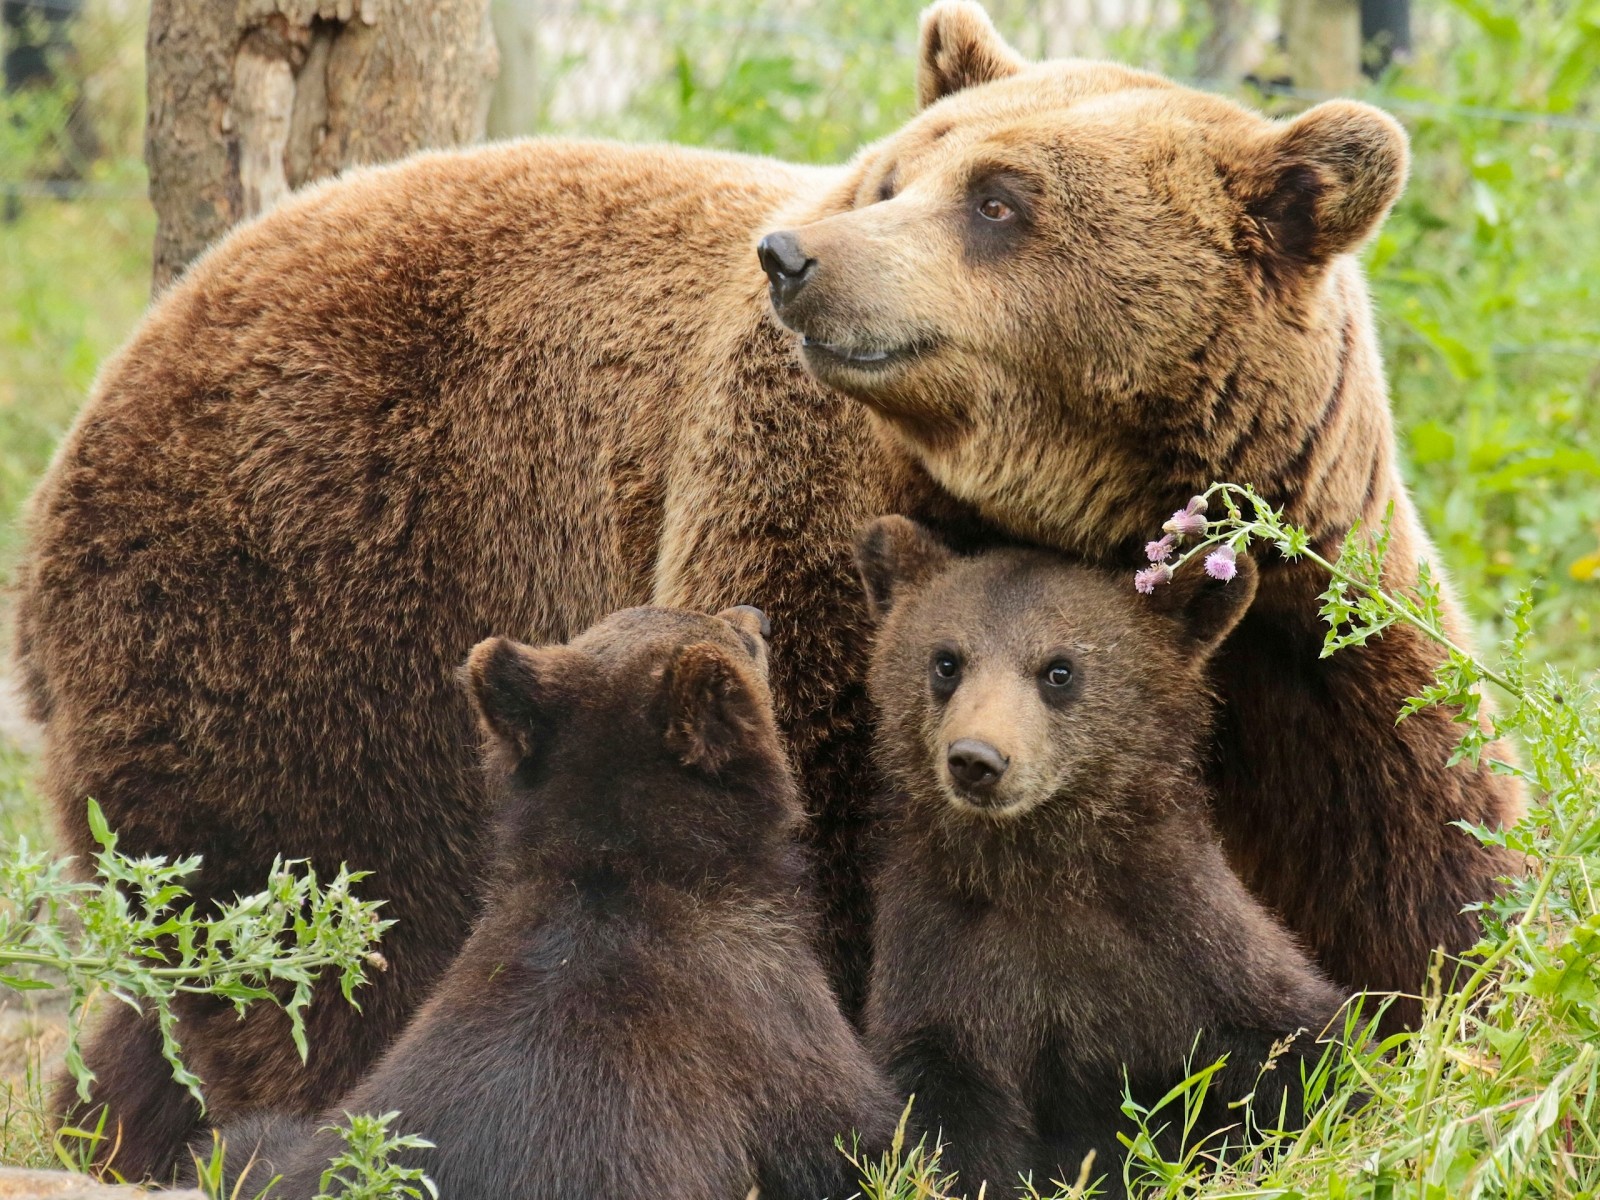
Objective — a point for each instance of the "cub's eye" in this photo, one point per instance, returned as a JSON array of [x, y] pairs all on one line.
[[1058, 674], [944, 674], [995, 210]]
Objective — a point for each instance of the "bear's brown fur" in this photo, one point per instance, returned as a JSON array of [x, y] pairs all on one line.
[[1055, 915], [510, 389], [640, 1012]]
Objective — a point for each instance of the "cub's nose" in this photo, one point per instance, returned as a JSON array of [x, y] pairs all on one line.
[[974, 764], [786, 266]]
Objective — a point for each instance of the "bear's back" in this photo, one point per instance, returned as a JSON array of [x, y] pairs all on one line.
[[614, 1054]]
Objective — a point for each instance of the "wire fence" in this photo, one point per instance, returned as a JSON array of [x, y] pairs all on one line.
[[811, 79], [805, 79], [808, 79], [599, 63]]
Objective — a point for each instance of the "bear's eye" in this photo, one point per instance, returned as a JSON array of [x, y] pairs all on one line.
[[946, 671], [1058, 674], [995, 210]]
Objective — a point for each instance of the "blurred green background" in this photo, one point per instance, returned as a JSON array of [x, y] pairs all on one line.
[[1486, 279]]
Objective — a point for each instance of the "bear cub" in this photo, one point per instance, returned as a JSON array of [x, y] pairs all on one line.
[[639, 1012], [1053, 907]]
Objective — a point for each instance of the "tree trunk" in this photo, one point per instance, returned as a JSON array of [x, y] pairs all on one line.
[[1323, 39], [1385, 34], [252, 98], [515, 107], [1218, 58]]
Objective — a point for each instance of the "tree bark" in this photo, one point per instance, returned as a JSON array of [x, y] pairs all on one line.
[[515, 107], [1323, 39], [249, 99], [1218, 58]]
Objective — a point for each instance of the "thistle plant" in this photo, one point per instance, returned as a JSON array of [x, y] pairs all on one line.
[[365, 1170], [132, 932], [1497, 1093], [362, 1170]]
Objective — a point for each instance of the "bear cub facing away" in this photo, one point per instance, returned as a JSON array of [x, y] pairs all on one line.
[[1051, 863], [640, 1012]]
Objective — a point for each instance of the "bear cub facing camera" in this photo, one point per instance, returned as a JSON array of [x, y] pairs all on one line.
[[639, 1012], [1053, 908]]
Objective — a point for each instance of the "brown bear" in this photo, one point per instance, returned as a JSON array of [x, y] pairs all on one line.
[[514, 388], [1056, 919], [640, 1012]]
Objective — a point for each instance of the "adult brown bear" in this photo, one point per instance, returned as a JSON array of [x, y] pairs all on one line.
[[511, 389]]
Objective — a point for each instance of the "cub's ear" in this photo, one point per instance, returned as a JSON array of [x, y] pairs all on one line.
[[714, 712], [892, 554], [516, 689], [1321, 184], [960, 49], [1208, 609]]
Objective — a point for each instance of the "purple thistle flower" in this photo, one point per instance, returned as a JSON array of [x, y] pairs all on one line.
[[1160, 551], [1145, 581], [1222, 563], [1190, 520]]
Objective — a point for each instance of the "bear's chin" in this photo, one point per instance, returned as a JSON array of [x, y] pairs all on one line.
[[997, 808], [865, 364], [899, 394]]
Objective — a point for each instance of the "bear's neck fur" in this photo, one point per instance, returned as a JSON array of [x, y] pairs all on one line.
[[617, 839], [1088, 841], [1295, 407], [600, 885]]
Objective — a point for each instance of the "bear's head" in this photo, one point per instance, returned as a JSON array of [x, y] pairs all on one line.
[[1014, 679], [649, 737], [1078, 293]]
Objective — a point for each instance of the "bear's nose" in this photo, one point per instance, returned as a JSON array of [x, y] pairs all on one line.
[[786, 266], [974, 764]]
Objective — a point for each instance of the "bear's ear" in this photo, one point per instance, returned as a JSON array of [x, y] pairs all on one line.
[[1321, 184], [960, 49], [1208, 609], [516, 689], [893, 553], [714, 714]]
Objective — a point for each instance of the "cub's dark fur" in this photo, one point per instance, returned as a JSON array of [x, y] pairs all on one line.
[[640, 1012], [1054, 907]]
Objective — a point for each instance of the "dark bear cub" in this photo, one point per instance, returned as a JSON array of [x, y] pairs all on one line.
[[1054, 908], [639, 1012]]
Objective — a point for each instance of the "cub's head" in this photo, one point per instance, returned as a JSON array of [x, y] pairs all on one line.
[[1076, 291], [1013, 679], [651, 732]]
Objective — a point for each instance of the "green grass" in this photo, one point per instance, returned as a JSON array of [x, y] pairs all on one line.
[[1486, 280], [75, 277], [1487, 286], [31, 1027]]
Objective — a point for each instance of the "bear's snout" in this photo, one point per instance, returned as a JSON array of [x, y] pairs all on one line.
[[975, 766], [786, 265]]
